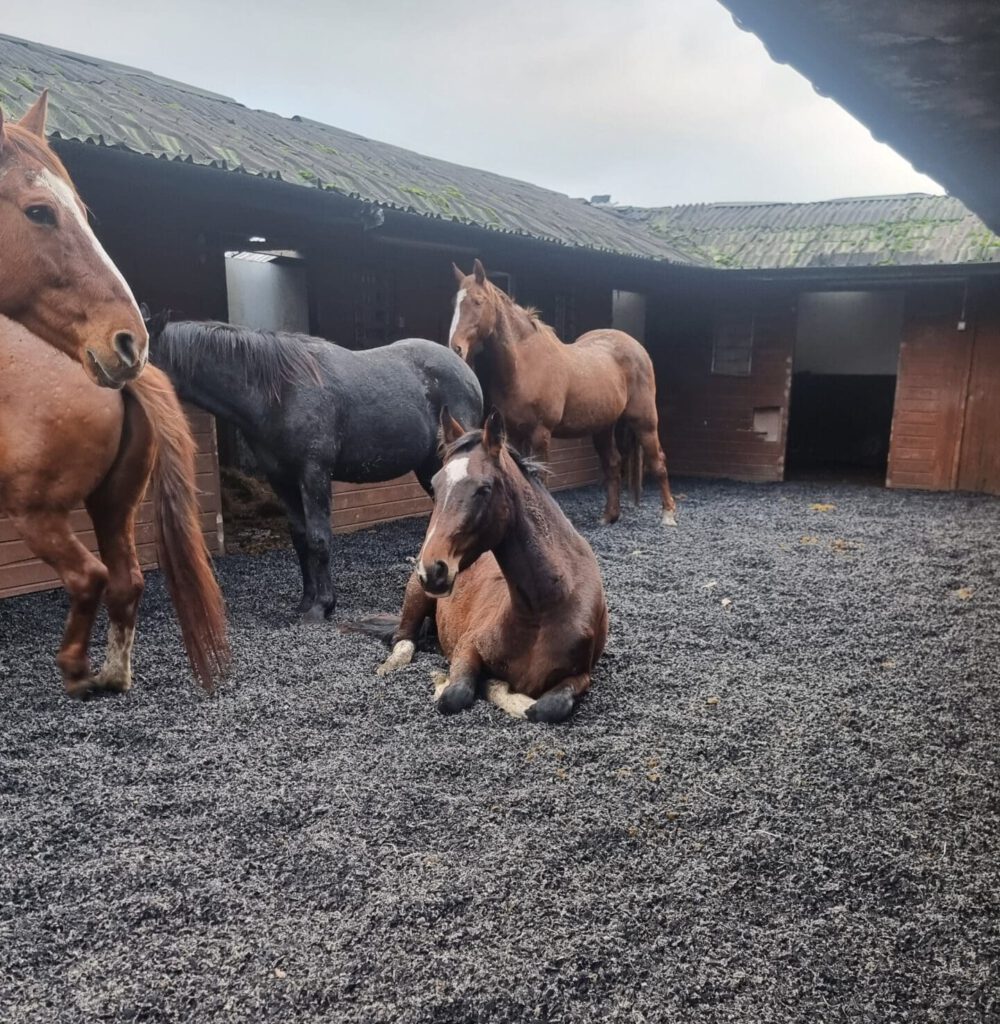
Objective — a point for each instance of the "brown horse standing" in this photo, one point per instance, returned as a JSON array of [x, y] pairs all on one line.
[[55, 278], [65, 441], [513, 589], [546, 389]]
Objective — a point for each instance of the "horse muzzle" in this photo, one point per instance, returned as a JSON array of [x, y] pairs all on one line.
[[115, 373], [437, 578]]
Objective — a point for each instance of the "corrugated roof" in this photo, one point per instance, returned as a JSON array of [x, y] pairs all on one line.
[[878, 231], [109, 104]]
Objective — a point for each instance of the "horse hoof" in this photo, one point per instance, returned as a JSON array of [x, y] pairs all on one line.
[[109, 685], [554, 706], [669, 518], [315, 614], [80, 689], [457, 697], [609, 520]]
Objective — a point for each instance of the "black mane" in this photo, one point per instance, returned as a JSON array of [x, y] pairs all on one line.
[[531, 469], [269, 360]]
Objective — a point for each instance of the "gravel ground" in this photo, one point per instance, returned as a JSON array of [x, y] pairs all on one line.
[[780, 801]]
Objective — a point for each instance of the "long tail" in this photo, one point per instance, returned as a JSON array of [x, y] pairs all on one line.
[[180, 544], [631, 452], [381, 627]]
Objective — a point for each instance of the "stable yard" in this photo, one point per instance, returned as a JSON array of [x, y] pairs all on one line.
[[783, 808]]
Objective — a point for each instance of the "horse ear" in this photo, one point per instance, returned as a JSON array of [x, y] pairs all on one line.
[[494, 433], [459, 273], [479, 270], [34, 120], [451, 429]]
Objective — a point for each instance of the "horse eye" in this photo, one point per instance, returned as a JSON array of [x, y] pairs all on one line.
[[41, 214], [483, 489]]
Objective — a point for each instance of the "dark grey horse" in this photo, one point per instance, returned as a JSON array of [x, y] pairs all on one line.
[[313, 412]]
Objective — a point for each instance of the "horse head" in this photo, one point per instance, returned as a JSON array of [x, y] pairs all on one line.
[[55, 278], [473, 504], [476, 311]]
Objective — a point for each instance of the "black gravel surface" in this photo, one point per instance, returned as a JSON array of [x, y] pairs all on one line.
[[780, 801]]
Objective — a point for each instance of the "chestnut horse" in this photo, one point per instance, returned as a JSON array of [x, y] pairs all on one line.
[[602, 385], [55, 278], [513, 590], [65, 442]]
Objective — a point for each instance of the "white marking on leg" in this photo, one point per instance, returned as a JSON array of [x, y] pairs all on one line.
[[500, 694], [669, 519], [402, 654], [440, 683], [116, 672], [459, 299]]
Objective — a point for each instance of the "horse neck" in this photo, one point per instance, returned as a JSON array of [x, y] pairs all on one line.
[[218, 388], [530, 555], [513, 341]]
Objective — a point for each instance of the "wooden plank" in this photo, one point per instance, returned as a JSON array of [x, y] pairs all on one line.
[[934, 363], [979, 462]]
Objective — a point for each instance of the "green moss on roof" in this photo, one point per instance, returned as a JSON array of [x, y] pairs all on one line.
[[905, 230]]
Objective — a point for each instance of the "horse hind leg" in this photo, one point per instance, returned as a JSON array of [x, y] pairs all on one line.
[[611, 467], [50, 538], [657, 463], [499, 694]]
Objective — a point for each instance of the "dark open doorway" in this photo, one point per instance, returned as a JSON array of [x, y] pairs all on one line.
[[844, 384]]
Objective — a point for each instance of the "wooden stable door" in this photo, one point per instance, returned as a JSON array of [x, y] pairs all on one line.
[[979, 462], [946, 422], [929, 414]]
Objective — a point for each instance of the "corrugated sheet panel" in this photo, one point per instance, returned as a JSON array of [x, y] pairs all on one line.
[[898, 231], [111, 105]]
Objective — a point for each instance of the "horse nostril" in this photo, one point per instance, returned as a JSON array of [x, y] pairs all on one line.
[[457, 348], [440, 571], [124, 343]]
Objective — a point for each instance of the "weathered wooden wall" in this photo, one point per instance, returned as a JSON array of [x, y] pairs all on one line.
[[22, 573], [946, 423], [706, 419], [358, 506]]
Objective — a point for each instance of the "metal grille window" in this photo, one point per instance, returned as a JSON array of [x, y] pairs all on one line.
[[732, 345]]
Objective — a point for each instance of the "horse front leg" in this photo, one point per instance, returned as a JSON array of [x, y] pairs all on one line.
[[464, 674], [657, 463], [556, 705], [50, 538], [611, 467], [314, 487]]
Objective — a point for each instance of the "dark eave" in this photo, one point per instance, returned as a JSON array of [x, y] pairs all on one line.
[[922, 75]]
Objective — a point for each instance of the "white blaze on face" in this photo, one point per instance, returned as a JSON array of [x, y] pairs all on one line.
[[459, 299], [66, 199], [455, 470]]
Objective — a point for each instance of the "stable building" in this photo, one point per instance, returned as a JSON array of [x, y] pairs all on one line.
[[856, 336]]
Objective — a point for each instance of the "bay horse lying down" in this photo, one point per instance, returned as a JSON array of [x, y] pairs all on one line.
[[312, 411], [601, 386], [64, 442], [513, 590]]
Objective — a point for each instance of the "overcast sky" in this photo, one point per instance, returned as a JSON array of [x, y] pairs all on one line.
[[654, 101]]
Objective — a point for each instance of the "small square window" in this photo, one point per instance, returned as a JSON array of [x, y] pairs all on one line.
[[732, 345]]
